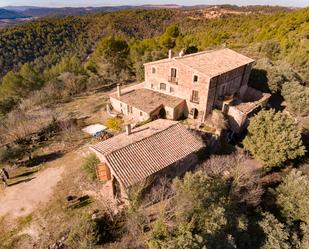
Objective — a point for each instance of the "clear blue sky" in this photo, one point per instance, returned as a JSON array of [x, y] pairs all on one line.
[[77, 3]]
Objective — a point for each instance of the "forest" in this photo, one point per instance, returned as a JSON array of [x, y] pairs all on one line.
[[220, 204]]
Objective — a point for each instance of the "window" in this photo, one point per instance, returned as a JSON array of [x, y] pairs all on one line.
[[151, 86], [141, 113], [153, 70], [194, 97], [130, 109], [173, 72], [173, 77], [172, 89], [163, 86], [120, 104], [195, 78]]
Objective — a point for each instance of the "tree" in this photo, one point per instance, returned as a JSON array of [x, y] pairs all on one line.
[[111, 59], [275, 233], [273, 138], [168, 39], [296, 97], [293, 196]]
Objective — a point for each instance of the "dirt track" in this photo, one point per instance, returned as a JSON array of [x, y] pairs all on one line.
[[21, 199]]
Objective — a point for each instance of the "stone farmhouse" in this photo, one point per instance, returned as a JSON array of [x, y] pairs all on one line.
[[156, 148], [193, 86]]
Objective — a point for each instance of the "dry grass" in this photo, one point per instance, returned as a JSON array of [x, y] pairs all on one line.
[[54, 220]]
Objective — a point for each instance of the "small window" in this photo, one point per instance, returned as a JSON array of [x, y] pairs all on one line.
[[173, 72], [141, 113], [153, 70], [120, 104], [172, 89], [195, 78], [151, 86], [163, 86], [194, 97], [130, 109]]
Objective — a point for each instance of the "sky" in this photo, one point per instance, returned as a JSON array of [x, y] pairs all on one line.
[[96, 3]]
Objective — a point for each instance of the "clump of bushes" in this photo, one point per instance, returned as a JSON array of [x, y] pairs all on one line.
[[296, 97], [89, 166], [273, 138], [114, 124]]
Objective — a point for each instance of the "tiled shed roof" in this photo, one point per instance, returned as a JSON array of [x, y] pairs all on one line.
[[147, 150], [211, 62]]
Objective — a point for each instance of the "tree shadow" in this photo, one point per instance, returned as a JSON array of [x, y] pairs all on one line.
[[21, 181], [43, 159], [258, 79], [275, 102]]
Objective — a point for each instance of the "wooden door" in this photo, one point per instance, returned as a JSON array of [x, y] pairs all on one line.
[[103, 172]]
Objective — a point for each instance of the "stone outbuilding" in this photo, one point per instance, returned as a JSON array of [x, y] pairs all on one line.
[[162, 147]]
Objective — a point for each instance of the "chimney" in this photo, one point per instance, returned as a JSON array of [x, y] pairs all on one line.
[[170, 54], [128, 129], [118, 90], [182, 53]]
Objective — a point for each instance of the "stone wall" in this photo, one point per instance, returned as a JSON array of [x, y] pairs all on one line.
[[211, 91], [184, 86], [122, 107]]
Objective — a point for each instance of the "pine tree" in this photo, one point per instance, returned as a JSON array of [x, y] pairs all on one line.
[[293, 196], [273, 138]]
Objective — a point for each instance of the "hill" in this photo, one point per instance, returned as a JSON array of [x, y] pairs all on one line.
[[9, 14], [43, 44]]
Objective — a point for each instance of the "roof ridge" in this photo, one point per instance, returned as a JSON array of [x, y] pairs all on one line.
[[199, 53], [128, 145]]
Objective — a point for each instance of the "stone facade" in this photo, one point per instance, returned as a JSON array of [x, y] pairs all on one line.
[[126, 109], [202, 93], [204, 80]]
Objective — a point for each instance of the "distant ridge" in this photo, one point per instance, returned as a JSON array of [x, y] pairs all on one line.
[[35, 11], [9, 14]]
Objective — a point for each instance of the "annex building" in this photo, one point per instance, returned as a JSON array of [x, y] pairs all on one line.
[[154, 149]]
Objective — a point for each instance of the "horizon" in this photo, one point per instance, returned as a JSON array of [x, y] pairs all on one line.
[[97, 3]]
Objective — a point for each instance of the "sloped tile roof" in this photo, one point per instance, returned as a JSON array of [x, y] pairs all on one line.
[[211, 62], [147, 100], [136, 159]]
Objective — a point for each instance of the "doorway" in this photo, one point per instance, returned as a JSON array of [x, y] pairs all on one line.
[[194, 113]]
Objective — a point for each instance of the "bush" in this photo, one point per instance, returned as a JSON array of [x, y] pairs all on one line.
[[114, 124], [276, 234], [273, 138], [296, 97], [293, 196], [9, 154], [89, 166]]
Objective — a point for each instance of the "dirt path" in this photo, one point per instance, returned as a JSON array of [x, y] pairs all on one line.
[[21, 199]]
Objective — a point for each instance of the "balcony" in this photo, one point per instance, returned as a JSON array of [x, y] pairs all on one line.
[[172, 79]]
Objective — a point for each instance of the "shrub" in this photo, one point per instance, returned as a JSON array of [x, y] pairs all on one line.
[[293, 196], [296, 97], [275, 233], [89, 166], [273, 138], [9, 154], [114, 124]]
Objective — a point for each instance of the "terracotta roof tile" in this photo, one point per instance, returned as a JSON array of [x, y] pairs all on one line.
[[136, 161], [211, 62]]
